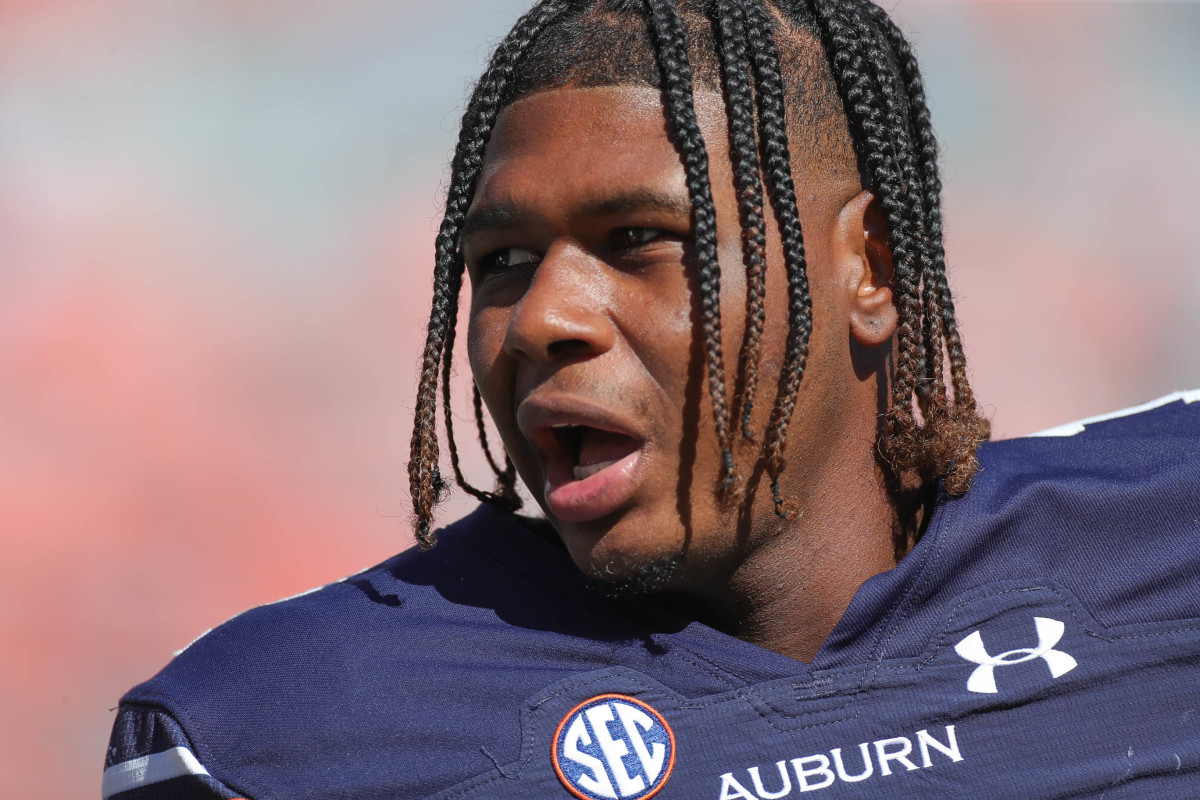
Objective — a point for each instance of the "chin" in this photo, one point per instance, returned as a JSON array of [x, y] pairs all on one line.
[[627, 581], [621, 563]]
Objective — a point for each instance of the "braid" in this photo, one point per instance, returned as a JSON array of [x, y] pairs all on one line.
[[506, 479], [876, 143], [893, 94], [743, 144], [918, 161], [484, 106], [931, 390], [964, 411], [671, 44], [448, 418], [477, 404], [778, 173], [508, 484]]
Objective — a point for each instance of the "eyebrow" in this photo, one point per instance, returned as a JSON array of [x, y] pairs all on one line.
[[499, 216]]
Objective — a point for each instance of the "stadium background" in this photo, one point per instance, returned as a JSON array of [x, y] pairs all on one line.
[[215, 230]]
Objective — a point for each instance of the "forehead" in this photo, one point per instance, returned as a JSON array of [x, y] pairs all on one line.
[[562, 139]]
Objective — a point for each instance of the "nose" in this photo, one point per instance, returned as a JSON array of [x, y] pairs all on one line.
[[564, 313]]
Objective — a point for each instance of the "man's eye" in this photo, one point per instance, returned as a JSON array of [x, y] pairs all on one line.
[[632, 237], [510, 257]]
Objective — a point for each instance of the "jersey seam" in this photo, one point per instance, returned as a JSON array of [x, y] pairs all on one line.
[[183, 719], [193, 742]]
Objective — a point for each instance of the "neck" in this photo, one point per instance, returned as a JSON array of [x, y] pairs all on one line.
[[798, 578]]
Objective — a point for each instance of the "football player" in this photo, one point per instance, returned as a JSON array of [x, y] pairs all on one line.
[[709, 317]]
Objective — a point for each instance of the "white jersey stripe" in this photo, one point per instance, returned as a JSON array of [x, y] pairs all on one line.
[[173, 763], [1072, 428]]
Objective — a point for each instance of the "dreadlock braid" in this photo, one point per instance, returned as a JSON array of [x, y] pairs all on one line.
[[964, 413], [506, 476], [877, 143], [676, 72], [506, 495], [481, 429], [743, 145], [948, 440], [485, 104], [931, 388], [773, 127], [447, 372]]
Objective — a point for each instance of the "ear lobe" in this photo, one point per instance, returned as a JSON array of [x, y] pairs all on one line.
[[868, 259]]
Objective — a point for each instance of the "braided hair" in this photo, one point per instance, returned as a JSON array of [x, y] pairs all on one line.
[[759, 54]]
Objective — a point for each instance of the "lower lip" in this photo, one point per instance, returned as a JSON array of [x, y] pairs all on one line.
[[598, 495]]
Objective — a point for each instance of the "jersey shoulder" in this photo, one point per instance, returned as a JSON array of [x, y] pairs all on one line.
[[1148, 452], [1108, 506], [383, 663], [1103, 515], [1171, 415]]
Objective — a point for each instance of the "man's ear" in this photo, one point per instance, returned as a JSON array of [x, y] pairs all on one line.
[[867, 263]]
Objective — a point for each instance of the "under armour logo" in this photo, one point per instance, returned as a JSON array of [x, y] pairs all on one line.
[[983, 679]]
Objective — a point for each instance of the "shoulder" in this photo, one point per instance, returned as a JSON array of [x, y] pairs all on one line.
[[381, 664], [1136, 468], [1175, 414], [407, 597], [1099, 518], [1109, 506]]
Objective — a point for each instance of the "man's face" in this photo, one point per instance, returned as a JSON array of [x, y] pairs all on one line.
[[584, 337]]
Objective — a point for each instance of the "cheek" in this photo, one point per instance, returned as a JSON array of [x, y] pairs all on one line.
[[733, 282], [657, 323], [485, 351]]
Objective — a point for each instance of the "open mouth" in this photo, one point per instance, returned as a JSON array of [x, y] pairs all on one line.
[[591, 449], [590, 471]]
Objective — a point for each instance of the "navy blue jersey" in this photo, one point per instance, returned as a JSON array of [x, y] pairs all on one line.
[[1041, 640]]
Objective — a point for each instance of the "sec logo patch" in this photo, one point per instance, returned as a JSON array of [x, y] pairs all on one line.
[[613, 747]]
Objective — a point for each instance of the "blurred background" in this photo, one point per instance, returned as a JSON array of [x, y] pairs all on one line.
[[216, 220]]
